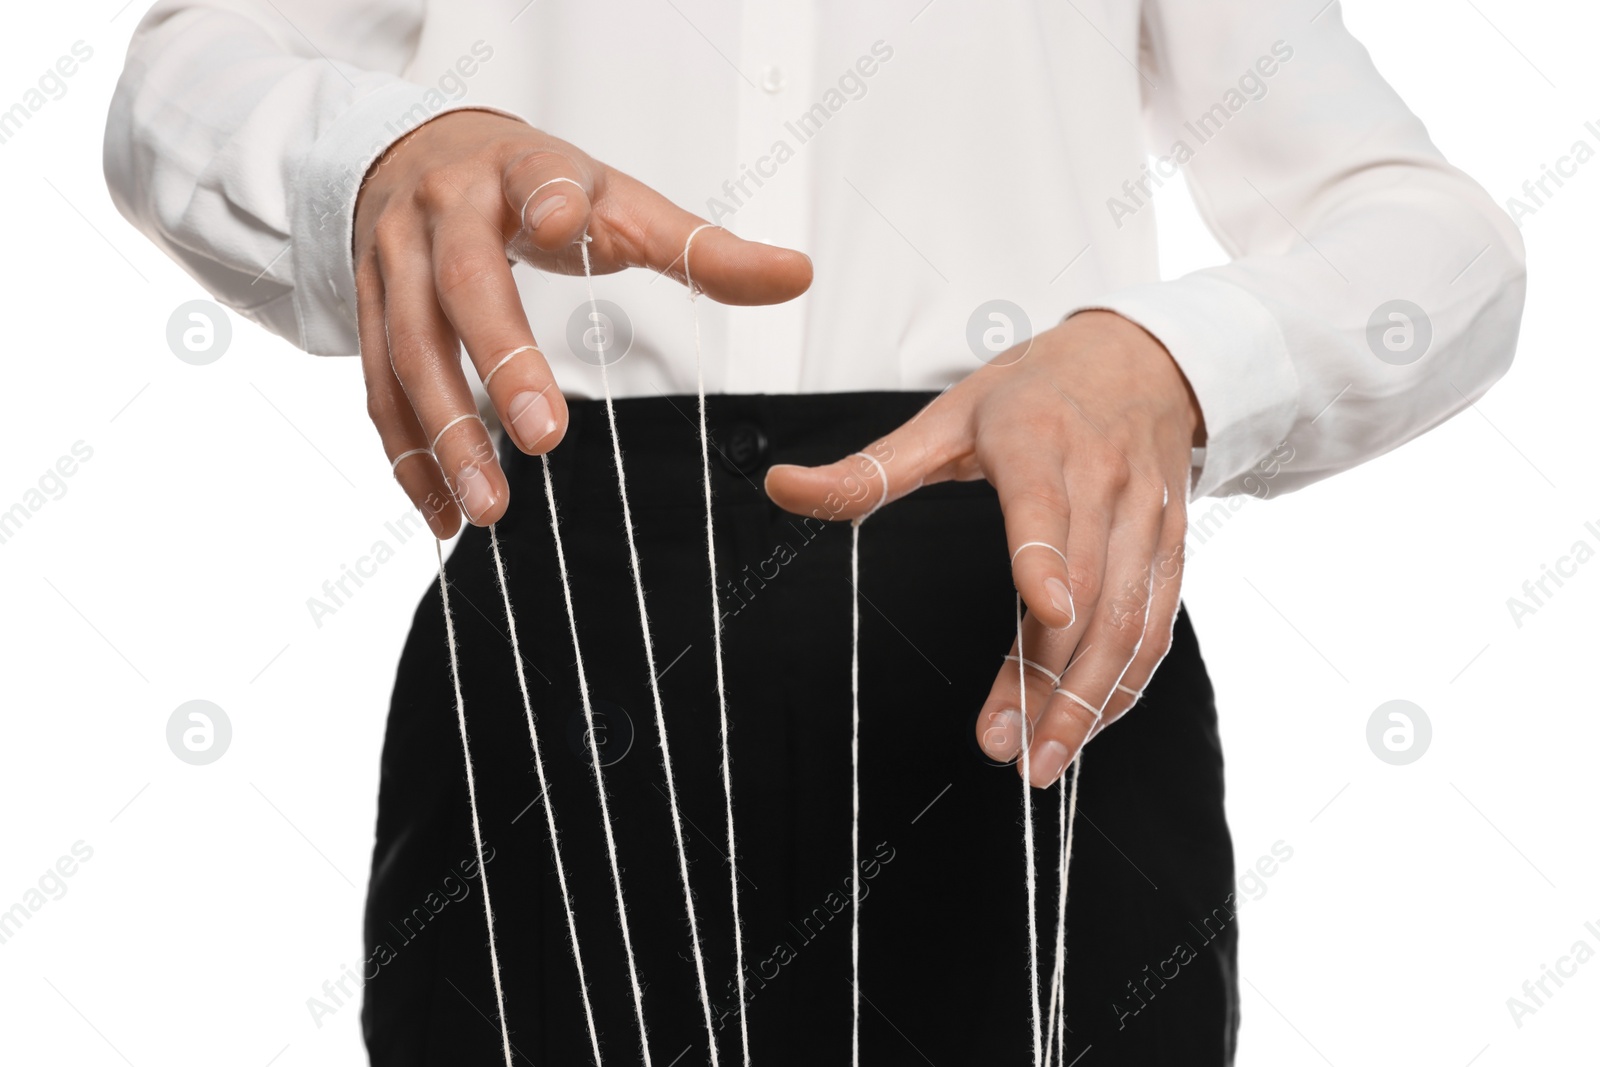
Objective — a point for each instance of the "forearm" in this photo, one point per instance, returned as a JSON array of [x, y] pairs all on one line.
[[239, 147]]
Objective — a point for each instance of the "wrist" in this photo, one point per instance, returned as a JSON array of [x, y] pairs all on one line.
[[1155, 367]]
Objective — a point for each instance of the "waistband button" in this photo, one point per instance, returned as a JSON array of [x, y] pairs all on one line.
[[743, 448]]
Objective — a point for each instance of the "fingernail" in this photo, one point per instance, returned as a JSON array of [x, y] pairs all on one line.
[[1003, 738], [1046, 765], [532, 418], [547, 207], [1060, 598], [474, 493]]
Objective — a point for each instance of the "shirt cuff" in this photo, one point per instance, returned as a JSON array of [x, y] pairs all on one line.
[[322, 205], [1231, 350]]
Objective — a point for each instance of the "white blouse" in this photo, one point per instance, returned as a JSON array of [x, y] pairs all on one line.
[[962, 174]]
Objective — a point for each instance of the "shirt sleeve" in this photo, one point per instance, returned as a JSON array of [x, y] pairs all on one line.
[[1373, 290], [239, 135]]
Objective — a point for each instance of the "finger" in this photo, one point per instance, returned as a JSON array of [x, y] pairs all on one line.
[[1167, 588], [550, 193], [1023, 683], [479, 296], [426, 356], [1110, 643], [390, 411], [1033, 496], [637, 226], [925, 450]]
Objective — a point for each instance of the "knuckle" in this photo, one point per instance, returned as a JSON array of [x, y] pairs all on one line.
[[1104, 466], [534, 168], [435, 189]]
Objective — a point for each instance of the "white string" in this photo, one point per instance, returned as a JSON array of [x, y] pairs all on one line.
[[650, 663], [507, 358], [594, 762], [1037, 544], [446, 428], [1041, 668], [855, 758], [1058, 995], [716, 638], [522, 216], [1068, 809], [883, 480], [1078, 700], [1027, 847], [407, 454], [544, 791], [855, 790], [472, 798]]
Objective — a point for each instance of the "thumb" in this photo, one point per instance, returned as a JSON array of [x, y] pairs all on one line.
[[923, 451]]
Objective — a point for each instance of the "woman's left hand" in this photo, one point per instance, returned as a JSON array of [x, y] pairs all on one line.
[[1085, 433]]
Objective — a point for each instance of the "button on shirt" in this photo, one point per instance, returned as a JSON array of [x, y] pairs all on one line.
[[960, 173]]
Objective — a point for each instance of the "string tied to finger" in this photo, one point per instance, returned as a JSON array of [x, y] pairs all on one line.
[[472, 801], [1066, 817], [591, 737], [544, 790], [716, 644], [654, 676], [1034, 665], [503, 360], [522, 215], [1032, 879], [883, 490]]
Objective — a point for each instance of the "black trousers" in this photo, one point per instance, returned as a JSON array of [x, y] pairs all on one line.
[[1151, 931]]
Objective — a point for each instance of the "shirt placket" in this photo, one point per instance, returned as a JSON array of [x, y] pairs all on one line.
[[769, 185]]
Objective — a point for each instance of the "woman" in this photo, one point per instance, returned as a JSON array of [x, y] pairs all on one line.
[[358, 177]]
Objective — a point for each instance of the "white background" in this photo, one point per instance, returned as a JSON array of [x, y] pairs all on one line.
[[178, 563]]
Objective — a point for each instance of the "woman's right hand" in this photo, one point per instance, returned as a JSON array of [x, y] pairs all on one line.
[[439, 220]]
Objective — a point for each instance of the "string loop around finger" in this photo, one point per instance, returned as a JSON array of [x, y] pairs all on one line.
[[688, 277], [1041, 668], [394, 465], [446, 428], [883, 495], [503, 360], [1038, 544], [522, 214], [1078, 700]]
